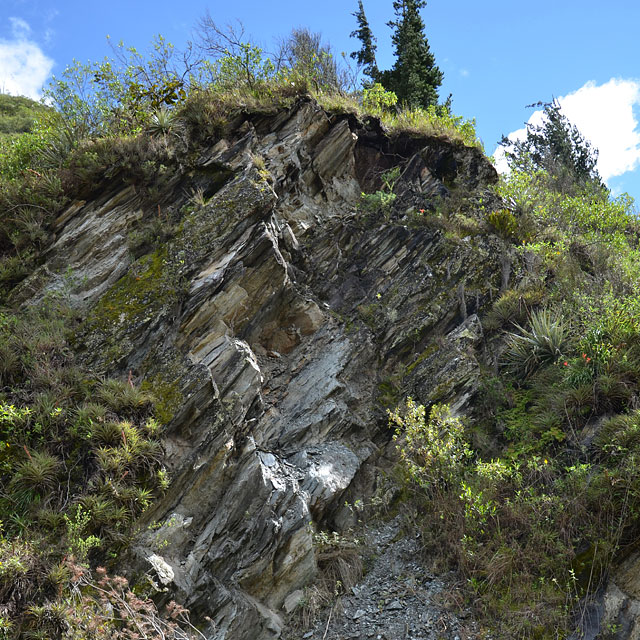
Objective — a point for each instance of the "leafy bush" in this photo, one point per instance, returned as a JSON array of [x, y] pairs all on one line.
[[117, 95], [588, 212], [514, 527], [377, 100], [433, 452], [529, 518], [381, 201]]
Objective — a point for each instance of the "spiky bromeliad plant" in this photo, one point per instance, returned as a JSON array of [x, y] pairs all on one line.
[[543, 344]]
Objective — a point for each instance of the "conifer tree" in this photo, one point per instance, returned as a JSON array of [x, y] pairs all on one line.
[[558, 147], [367, 54], [414, 78]]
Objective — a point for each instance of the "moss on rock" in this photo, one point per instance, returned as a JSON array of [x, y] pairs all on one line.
[[167, 394], [130, 307]]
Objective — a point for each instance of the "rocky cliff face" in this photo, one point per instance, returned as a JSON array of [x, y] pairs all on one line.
[[275, 322]]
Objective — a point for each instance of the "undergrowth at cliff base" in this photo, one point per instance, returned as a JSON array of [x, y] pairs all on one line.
[[84, 605], [340, 568], [529, 534], [80, 460]]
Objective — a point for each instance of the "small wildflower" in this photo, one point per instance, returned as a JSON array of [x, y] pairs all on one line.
[[378, 295], [421, 210], [565, 363]]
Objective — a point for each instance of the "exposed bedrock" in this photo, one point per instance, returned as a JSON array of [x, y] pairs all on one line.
[[277, 323]]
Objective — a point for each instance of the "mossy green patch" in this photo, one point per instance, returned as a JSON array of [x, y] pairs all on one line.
[[136, 294], [442, 391], [429, 351], [131, 305], [167, 394], [370, 313], [389, 391]]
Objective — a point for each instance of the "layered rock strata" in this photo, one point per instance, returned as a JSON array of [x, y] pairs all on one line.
[[275, 325]]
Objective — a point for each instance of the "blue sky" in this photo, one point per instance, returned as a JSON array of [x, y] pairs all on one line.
[[497, 56]]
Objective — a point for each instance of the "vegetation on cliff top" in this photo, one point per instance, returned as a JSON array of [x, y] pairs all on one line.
[[137, 114]]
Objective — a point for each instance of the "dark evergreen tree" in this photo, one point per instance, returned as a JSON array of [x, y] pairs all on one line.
[[558, 147], [415, 78], [367, 54]]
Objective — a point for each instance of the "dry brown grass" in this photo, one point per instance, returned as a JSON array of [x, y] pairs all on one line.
[[339, 569]]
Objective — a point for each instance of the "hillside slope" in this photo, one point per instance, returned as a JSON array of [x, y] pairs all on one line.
[[271, 284], [273, 320], [17, 114]]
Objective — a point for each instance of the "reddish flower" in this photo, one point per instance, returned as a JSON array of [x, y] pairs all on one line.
[[566, 364]]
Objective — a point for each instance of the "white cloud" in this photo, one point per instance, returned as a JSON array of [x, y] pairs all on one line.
[[604, 115], [20, 28], [24, 67]]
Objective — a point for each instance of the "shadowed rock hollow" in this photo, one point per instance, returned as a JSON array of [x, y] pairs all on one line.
[[275, 323]]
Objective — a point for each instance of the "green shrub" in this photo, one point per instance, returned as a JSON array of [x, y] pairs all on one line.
[[434, 451], [38, 474], [122, 396], [377, 100], [381, 201], [620, 435], [514, 307], [504, 223], [513, 526]]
